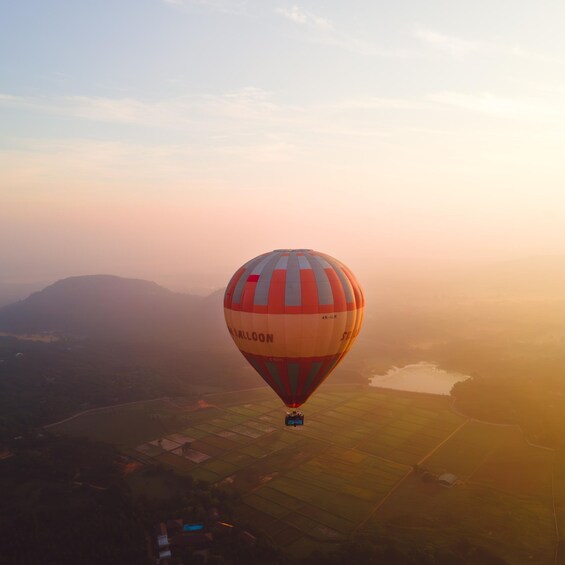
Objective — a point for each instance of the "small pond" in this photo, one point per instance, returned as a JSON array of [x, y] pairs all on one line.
[[419, 377]]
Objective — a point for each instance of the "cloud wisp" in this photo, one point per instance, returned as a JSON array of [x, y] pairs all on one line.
[[248, 103], [303, 17], [460, 47], [540, 110], [322, 31], [237, 112], [454, 45]]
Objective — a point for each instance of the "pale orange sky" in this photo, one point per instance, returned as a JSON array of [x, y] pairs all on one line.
[[387, 134]]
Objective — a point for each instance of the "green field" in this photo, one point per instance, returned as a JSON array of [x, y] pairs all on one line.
[[503, 498], [308, 488]]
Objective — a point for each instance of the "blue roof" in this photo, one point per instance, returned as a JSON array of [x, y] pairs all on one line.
[[192, 527]]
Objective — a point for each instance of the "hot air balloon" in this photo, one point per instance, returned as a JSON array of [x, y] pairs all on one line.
[[294, 314]]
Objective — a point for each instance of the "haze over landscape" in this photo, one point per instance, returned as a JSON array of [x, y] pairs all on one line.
[[149, 149]]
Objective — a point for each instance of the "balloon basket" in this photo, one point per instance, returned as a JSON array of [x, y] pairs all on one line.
[[294, 419]]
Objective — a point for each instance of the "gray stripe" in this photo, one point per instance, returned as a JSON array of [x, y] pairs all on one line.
[[260, 370], [332, 365], [322, 262], [255, 364], [344, 282], [325, 295], [293, 290], [258, 269], [314, 369], [283, 263], [274, 372], [264, 284], [303, 262], [238, 291], [321, 377], [293, 372]]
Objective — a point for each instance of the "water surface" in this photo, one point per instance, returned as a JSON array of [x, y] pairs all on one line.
[[419, 377]]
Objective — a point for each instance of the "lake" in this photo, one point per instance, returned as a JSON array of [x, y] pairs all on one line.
[[419, 377]]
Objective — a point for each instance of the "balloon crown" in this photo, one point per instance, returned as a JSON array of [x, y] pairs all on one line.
[[288, 250]]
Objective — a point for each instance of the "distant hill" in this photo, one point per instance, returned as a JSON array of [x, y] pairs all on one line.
[[111, 307], [10, 292]]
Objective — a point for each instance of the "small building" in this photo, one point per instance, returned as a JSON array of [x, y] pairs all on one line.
[[447, 480], [192, 527]]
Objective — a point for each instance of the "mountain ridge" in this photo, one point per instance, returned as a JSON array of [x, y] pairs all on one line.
[[109, 306]]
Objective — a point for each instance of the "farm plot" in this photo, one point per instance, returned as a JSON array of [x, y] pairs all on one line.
[[519, 529], [559, 493], [312, 485], [195, 433], [503, 480], [333, 521], [268, 506], [223, 443], [180, 438], [165, 444], [332, 489], [340, 504], [245, 410], [149, 450], [191, 455], [126, 426], [468, 449], [182, 465]]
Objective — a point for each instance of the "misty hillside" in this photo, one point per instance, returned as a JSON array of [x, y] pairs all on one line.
[[111, 307], [11, 292], [409, 305]]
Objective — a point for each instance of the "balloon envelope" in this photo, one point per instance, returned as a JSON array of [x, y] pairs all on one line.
[[294, 314]]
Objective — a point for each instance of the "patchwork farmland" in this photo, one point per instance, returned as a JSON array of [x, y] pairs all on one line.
[[350, 467]]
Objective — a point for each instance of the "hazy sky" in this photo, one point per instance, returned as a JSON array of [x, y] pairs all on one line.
[[164, 138]]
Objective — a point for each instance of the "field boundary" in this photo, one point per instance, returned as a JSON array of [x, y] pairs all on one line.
[[407, 474], [103, 409]]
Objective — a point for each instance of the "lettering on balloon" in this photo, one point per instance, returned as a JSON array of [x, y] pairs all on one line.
[[251, 336], [350, 334]]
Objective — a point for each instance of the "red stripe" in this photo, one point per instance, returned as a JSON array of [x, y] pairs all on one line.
[[262, 370], [276, 308], [295, 400], [248, 296], [309, 290], [277, 291], [320, 377], [293, 309], [252, 278]]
